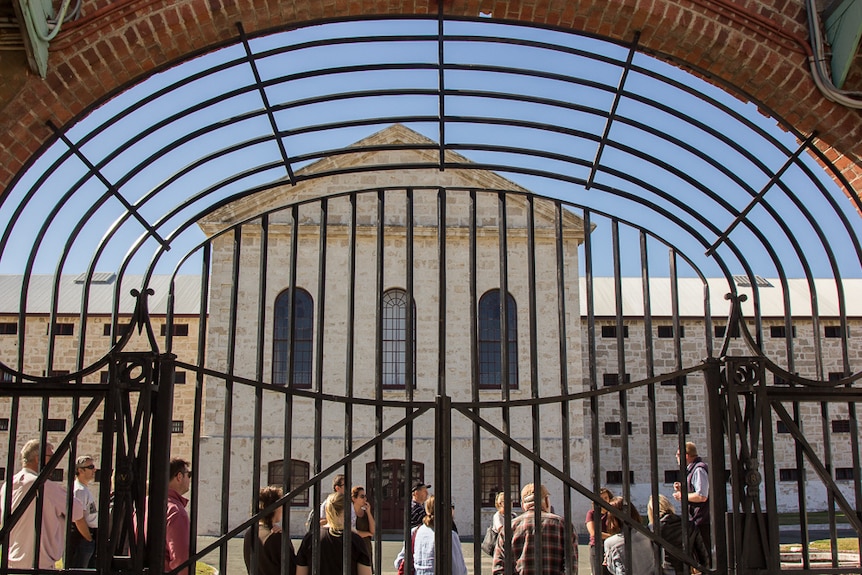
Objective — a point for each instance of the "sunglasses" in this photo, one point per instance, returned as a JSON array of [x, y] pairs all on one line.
[[361, 496], [87, 467]]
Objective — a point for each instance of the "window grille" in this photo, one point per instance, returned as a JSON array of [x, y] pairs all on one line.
[[8, 328], [298, 476], [394, 344], [302, 341], [492, 481], [490, 334], [611, 331]]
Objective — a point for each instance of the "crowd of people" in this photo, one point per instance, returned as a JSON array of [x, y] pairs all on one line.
[[536, 536]]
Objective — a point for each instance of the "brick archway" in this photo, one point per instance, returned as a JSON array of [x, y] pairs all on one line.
[[760, 47]]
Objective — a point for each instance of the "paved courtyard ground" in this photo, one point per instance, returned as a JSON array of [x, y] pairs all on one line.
[[236, 565]]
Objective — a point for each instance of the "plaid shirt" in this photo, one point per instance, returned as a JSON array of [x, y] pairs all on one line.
[[553, 542]]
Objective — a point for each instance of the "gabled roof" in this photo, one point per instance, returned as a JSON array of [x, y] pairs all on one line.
[[375, 154]]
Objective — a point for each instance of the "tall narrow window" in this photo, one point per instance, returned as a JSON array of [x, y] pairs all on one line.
[[302, 342], [394, 344], [490, 336]]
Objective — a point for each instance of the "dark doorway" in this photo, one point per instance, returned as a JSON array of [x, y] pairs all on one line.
[[394, 496]]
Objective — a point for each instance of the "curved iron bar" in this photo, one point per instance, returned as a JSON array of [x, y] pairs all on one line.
[[140, 317]]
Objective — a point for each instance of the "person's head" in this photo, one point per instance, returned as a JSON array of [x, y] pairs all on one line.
[[180, 479], [334, 510], [690, 453], [85, 469], [606, 494], [429, 512], [420, 492], [338, 484], [357, 495], [30, 454], [665, 507], [528, 502], [615, 525], [500, 501], [269, 495]]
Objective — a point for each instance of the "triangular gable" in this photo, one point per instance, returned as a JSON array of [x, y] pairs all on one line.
[[352, 166]]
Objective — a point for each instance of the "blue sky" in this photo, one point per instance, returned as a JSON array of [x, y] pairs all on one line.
[[580, 75]]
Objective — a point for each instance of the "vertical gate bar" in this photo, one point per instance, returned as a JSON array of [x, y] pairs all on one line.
[[106, 464], [410, 363], [199, 380], [408, 431], [442, 446], [764, 409], [734, 438], [320, 326], [715, 437], [622, 379], [258, 390], [649, 356], [441, 85], [228, 406], [564, 377], [597, 551], [474, 387], [503, 248], [827, 461], [287, 450], [350, 357], [534, 377], [682, 465], [854, 445], [161, 455]]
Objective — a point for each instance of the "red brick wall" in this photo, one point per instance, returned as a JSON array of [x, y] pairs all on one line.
[[761, 46]]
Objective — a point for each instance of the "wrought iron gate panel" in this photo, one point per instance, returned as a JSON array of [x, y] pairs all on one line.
[[395, 300]]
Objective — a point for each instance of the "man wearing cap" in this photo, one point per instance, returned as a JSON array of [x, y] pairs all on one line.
[[82, 549], [417, 507]]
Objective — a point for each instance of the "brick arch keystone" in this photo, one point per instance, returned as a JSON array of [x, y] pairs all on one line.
[[758, 45]]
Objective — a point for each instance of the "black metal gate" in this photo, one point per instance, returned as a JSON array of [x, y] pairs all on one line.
[[391, 310]]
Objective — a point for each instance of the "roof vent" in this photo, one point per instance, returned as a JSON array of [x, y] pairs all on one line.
[[744, 281], [98, 278]]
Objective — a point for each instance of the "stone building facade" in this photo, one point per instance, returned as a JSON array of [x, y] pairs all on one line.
[[245, 349]]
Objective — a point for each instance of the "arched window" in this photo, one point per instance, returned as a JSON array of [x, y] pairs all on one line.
[[303, 330], [394, 344], [492, 481], [298, 476], [490, 334]]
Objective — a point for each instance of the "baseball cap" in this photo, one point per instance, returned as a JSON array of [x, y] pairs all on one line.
[[419, 485]]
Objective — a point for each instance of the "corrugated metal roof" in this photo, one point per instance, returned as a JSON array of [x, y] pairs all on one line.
[[692, 296], [101, 295]]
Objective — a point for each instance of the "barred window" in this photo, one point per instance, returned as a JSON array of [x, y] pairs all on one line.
[[672, 428], [844, 474], [54, 425], [301, 339], [611, 379], [840, 426], [666, 331], [492, 481], [63, 329], [177, 426], [179, 330], [832, 331], [616, 477], [298, 476], [8, 328], [781, 331], [615, 428], [490, 337], [394, 342], [611, 331], [720, 330], [788, 474]]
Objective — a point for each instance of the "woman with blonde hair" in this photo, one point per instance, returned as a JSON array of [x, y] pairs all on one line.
[[671, 529], [331, 537], [423, 547]]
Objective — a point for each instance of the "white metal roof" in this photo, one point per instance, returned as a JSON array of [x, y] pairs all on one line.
[[691, 296], [101, 294]]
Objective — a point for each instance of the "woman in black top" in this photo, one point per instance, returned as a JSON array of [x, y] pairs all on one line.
[[268, 540], [671, 529], [331, 544]]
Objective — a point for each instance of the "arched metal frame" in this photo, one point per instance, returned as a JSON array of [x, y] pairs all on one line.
[[620, 135]]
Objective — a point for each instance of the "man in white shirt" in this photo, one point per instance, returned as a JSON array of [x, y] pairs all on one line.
[[82, 551], [22, 538]]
